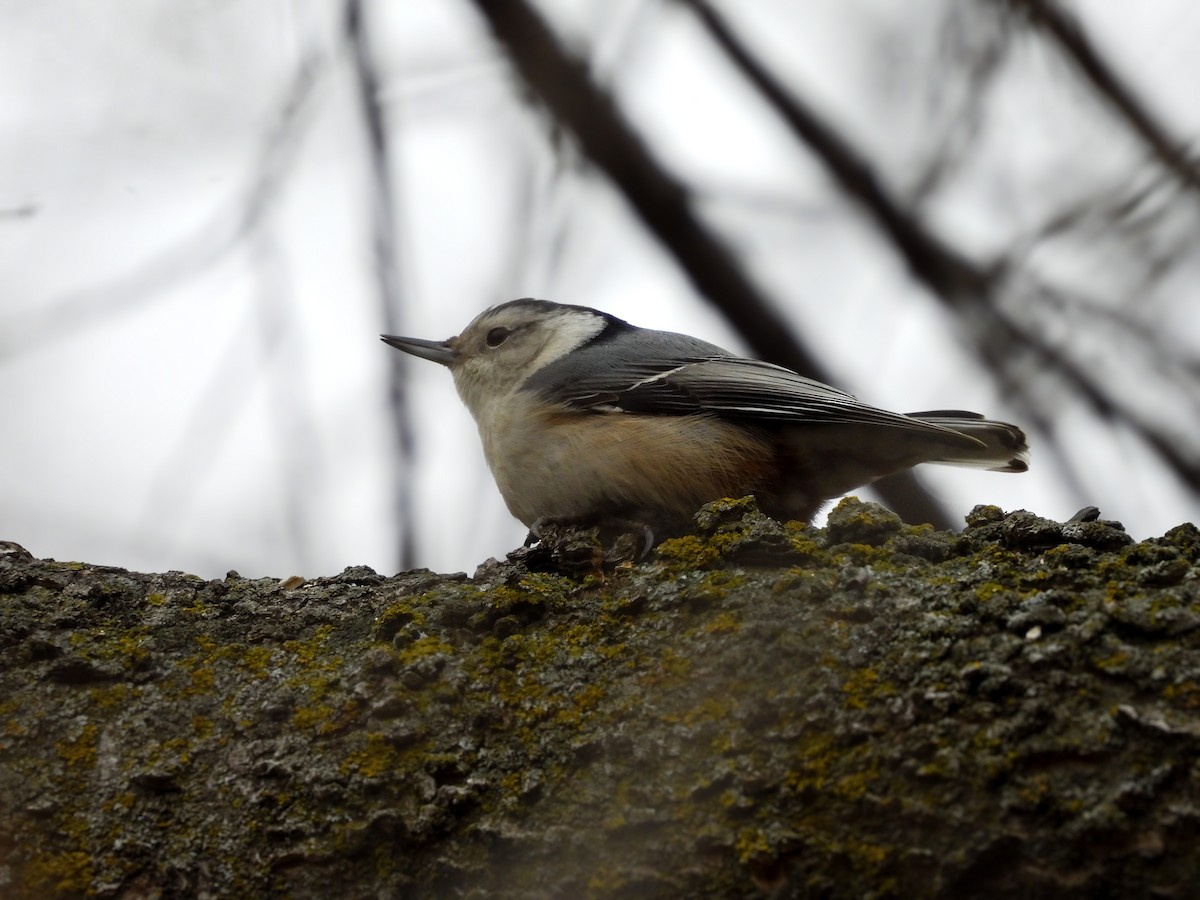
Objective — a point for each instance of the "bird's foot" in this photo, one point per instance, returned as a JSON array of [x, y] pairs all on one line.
[[614, 526], [609, 539]]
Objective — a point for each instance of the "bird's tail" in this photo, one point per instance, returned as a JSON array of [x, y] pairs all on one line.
[[1002, 447]]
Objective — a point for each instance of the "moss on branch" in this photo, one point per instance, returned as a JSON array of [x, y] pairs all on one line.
[[867, 709]]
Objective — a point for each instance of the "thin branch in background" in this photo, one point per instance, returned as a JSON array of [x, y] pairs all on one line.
[[441, 87], [541, 234], [1135, 228], [1141, 339], [1182, 458], [241, 222], [662, 202], [21, 211], [561, 82], [1068, 34], [297, 431], [385, 252], [181, 472], [1005, 343], [205, 248], [1103, 209], [975, 48], [626, 24], [931, 259], [1138, 226]]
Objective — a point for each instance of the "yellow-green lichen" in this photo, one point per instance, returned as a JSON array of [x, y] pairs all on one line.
[[429, 645], [378, 756], [310, 650], [722, 623], [67, 874], [126, 648], [113, 696], [1114, 662], [79, 751], [312, 716], [693, 551], [864, 687], [751, 844]]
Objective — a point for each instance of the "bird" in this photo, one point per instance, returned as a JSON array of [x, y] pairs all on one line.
[[585, 419]]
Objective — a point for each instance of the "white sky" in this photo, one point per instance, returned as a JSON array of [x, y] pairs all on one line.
[[171, 404]]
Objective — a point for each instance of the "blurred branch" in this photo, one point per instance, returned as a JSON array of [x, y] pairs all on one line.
[[976, 49], [1068, 34], [1171, 368], [383, 218], [21, 211], [949, 275], [181, 471], [206, 247], [561, 82], [931, 260], [1180, 455], [240, 222], [1006, 344], [1138, 230]]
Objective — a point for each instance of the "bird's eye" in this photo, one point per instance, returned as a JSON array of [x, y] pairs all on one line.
[[497, 336]]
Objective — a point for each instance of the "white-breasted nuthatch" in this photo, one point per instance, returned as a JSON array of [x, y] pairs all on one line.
[[585, 417]]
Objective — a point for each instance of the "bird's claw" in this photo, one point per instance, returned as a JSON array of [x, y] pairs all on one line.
[[623, 526]]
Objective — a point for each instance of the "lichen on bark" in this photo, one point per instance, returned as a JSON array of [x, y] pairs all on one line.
[[867, 709]]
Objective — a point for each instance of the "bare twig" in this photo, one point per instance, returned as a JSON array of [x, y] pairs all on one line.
[[931, 260], [976, 48], [1068, 34], [386, 265], [1002, 341], [206, 247]]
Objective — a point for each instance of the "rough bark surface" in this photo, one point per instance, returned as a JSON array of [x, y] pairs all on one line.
[[756, 709]]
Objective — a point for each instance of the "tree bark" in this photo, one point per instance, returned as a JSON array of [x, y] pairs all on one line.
[[756, 709]]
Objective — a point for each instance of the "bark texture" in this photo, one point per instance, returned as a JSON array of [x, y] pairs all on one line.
[[755, 710]]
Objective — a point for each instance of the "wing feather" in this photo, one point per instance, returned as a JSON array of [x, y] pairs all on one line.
[[659, 373]]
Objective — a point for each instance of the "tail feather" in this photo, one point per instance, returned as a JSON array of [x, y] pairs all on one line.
[[1002, 447]]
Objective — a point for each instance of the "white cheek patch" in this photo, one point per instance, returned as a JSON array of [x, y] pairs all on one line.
[[565, 334]]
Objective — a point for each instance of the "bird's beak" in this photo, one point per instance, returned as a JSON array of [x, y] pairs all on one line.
[[438, 351]]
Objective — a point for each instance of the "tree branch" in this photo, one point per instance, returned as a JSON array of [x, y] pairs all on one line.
[[1000, 340], [383, 219], [930, 259], [1065, 30]]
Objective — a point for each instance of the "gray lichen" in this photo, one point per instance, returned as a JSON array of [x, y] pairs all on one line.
[[867, 709]]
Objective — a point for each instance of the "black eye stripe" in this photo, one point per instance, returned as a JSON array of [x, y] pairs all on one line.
[[497, 336]]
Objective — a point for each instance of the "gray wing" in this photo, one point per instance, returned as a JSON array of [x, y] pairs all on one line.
[[659, 373]]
